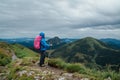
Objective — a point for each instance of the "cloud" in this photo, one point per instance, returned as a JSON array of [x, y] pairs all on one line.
[[64, 18]]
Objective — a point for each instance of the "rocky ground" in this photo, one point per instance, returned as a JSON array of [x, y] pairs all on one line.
[[34, 72], [28, 69], [37, 73]]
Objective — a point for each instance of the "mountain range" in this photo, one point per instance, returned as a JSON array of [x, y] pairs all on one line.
[[85, 50], [114, 43], [88, 50], [28, 42], [57, 42]]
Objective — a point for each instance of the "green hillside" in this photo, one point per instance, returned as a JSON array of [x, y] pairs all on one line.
[[22, 51], [88, 51], [9, 50]]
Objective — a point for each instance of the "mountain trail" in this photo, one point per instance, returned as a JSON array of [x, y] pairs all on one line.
[[54, 73], [14, 57], [31, 70]]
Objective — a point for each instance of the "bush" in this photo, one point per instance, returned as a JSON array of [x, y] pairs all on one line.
[[58, 63], [4, 59], [75, 68], [113, 75], [29, 61], [12, 74]]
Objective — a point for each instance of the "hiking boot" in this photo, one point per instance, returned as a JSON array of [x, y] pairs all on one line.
[[42, 65]]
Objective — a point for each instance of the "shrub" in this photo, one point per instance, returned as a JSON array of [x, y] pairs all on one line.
[[113, 75], [29, 60], [58, 63], [4, 59], [12, 74], [75, 68]]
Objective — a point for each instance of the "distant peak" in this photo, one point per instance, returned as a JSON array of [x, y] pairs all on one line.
[[89, 38], [57, 37]]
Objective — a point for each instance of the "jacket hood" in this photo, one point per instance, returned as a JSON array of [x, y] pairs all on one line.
[[42, 34]]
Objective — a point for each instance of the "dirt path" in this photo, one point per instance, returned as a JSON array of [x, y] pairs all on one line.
[[51, 69], [14, 56], [57, 74]]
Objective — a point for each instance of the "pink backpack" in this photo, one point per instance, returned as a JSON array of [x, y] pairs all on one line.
[[37, 42]]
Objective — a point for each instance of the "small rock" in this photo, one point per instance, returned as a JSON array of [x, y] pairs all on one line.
[[2, 74], [61, 78], [44, 72], [22, 72], [30, 73], [37, 77], [68, 74]]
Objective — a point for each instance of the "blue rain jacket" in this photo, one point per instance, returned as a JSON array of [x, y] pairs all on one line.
[[43, 44]]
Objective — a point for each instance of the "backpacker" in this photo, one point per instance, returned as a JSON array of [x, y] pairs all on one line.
[[37, 42]]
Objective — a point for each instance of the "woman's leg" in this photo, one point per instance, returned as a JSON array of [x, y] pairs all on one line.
[[42, 58]]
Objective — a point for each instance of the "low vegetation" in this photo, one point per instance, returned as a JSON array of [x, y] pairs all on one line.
[[15, 69], [9, 50], [94, 74], [21, 51], [5, 54], [4, 59]]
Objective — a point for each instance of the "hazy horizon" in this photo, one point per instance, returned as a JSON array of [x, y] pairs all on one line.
[[63, 18], [53, 37]]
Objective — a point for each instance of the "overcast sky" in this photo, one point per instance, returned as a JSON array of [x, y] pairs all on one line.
[[63, 18]]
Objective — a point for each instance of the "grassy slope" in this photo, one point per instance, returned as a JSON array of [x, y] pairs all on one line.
[[7, 51], [22, 51]]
